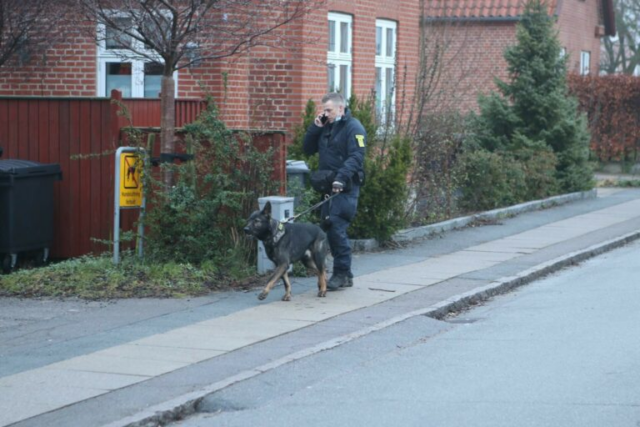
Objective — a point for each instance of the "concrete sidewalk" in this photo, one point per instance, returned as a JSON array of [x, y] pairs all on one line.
[[152, 368]]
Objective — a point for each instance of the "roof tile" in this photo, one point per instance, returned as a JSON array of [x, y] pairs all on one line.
[[479, 8]]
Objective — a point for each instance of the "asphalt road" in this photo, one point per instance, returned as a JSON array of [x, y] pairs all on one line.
[[563, 351]]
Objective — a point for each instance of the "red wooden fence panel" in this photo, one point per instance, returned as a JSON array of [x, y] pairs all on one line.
[[82, 135], [70, 132], [146, 112]]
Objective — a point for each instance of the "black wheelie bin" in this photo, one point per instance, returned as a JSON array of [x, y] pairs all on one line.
[[26, 209]]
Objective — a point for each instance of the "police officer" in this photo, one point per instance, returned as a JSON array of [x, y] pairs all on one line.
[[340, 141]]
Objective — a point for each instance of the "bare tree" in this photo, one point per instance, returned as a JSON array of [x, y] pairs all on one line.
[[621, 53], [181, 33], [448, 75], [28, 27], [447, 82]]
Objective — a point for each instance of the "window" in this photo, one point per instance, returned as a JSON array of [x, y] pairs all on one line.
[[119, 76], [563, 52], [339, 58], [152, 79], [385, 69], [585, 61], [119, 67]]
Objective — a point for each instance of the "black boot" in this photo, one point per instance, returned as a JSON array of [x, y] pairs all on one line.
[[349, 283], [339, 280]]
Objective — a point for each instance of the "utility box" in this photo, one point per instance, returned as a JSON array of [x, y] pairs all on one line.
[[26, 208], [297, 177], [281, 209]]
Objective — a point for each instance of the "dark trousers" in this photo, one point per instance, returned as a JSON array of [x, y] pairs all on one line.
[[340, 210]]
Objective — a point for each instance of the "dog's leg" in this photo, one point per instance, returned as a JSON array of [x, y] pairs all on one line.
[[277, 274], [287, 287], [322, 282], [319, 263]]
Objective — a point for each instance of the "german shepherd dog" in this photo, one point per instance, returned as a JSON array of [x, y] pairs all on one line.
[[288, 243]]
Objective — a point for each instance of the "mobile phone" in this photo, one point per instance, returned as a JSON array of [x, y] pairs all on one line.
[[324, 118]]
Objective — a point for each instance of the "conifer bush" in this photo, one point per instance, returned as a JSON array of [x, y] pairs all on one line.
[[532, 120]]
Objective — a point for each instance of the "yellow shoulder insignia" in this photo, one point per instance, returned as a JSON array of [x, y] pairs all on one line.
[[360, 139]]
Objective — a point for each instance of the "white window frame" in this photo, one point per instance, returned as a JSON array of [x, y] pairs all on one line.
[[337, 59], [385, 63], [105, 56], [585, 63]]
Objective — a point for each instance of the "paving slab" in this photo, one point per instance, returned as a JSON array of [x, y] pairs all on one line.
[[402, 275], [20, 403], [168, 354], [78, 379], [108, 363]]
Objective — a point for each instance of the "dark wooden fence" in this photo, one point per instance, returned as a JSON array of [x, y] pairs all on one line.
[[82, 134]]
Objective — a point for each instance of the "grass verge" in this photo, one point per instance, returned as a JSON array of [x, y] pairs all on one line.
[[619, 182], [91, 277]]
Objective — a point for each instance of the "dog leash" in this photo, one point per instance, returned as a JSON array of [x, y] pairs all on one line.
[[314, 207]]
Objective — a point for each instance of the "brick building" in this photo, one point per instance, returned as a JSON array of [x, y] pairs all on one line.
[[358, 47], [363, 41], [476, 33]]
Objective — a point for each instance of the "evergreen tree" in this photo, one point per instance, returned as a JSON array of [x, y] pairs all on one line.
[[533, 113]]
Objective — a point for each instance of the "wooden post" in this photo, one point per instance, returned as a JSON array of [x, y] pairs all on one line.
[[116, 121]]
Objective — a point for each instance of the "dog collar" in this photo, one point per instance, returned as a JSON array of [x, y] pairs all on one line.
[[279, 232]]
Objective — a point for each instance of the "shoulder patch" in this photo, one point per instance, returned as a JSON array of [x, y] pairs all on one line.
[[360, 139]]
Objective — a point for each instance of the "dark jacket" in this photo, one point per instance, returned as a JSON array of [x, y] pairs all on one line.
[[341, 146]]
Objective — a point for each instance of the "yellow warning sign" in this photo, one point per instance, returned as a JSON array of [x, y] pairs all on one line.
[[130, 180]]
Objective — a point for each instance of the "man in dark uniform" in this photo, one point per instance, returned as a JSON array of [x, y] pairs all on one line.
[[340, 141]]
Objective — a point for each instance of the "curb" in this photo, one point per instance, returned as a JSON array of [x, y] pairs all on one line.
[[187, 404], [407, 235]]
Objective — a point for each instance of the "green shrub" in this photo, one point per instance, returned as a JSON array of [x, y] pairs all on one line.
[[490, 180], [198, 219], [540, 172], [383, 198], [434, 181]]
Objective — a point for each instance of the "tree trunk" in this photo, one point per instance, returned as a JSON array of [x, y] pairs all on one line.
[[168, 123]]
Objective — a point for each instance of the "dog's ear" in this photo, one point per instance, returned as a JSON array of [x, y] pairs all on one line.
[[267, 209]]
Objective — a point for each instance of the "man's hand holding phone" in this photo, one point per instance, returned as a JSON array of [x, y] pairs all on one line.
[[320, 120]]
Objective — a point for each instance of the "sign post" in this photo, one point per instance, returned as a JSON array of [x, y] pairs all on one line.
[[128, 193]]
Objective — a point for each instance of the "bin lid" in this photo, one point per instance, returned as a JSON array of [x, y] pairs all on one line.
[[297, 166], [27, 167]]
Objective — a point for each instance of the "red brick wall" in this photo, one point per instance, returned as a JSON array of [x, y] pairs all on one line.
[[473, 58], [68, 69], [266, 88], [269, 87], [577, 22]]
